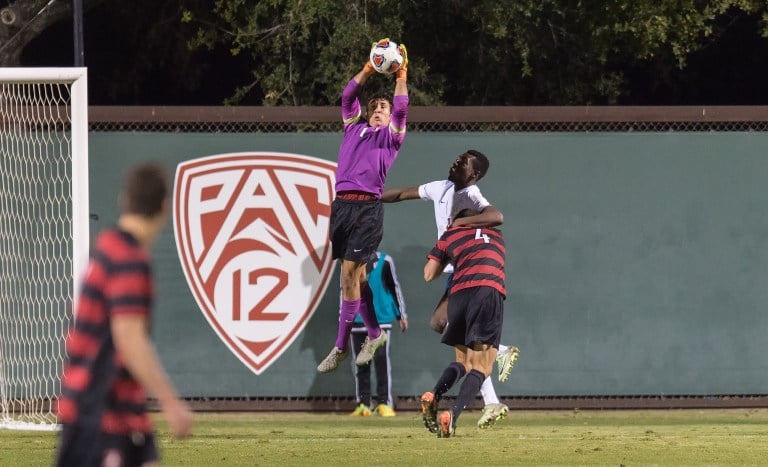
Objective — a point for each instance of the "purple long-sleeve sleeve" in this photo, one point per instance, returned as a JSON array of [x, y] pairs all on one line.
[[367, 152], [350, 104]]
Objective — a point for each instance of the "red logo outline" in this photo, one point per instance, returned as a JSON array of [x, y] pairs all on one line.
[[205, 265]]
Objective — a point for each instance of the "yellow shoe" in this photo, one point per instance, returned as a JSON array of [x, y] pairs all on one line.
[[385, 410], [361, 410]]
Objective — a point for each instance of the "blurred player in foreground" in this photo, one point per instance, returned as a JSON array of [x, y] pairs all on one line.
[[475, 315], [111, 360], [459, 192], [367, 152]]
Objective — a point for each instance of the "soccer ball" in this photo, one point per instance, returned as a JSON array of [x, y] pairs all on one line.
[[385, 57]]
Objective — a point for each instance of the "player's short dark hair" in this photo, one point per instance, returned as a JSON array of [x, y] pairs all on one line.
[[145, 188], [480, 163]]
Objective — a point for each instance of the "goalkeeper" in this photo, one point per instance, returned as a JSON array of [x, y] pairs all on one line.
[[368, 149]]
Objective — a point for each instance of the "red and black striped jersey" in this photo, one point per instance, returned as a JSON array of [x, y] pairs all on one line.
[[96, 388], [477, 254]]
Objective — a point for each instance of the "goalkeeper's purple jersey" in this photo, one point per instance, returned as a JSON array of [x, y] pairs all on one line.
[[367, 152]]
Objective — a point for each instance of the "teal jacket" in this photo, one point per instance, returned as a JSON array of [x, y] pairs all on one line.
[[387, 296]]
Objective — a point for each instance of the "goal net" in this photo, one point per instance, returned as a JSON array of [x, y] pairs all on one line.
[[43, 233]]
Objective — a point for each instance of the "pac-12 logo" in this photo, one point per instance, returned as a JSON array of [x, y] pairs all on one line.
[[252, 236]]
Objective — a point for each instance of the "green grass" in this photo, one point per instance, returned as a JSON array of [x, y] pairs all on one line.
[[673, 437]]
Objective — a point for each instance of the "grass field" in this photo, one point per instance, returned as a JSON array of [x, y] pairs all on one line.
[[673, 437]]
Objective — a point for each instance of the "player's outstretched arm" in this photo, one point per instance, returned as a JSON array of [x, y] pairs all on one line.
[[401, 75], [350, 104], [132, 343], [394, 195], [488, 217]]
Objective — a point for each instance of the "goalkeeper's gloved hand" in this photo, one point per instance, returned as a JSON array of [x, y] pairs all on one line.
[[368, 68], [402, 73]]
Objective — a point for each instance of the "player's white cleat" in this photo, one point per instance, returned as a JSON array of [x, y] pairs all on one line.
[[331, 362], [491, 414], [369, 348], [506, 360]]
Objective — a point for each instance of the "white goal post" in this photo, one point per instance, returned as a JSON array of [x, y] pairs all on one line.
[[44, 233]]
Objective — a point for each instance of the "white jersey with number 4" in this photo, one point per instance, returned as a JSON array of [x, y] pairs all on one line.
[[447, 203]]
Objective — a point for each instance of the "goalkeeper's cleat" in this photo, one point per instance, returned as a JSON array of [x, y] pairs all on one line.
[[445, 422], [369, 348], [331, 362], [385, 410], [361, 410], [491, 414], [429, 411], [506, 360]]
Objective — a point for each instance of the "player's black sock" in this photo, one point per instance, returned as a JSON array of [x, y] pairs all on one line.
[[453, 373], [467, 392]]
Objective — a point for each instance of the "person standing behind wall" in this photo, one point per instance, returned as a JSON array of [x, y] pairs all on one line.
[[389, 306]]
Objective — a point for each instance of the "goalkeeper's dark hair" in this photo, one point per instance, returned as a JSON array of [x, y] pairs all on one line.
[[480, 162], [145, 189]]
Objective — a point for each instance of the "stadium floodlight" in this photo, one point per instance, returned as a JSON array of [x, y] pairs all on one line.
[[44, 233]]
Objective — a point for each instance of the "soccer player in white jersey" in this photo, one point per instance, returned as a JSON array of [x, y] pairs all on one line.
[[449, 197]]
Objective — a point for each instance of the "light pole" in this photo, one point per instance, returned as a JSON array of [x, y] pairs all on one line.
[[77, 7]]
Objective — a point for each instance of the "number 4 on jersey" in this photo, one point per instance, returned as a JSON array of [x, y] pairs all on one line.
[[479, 235]]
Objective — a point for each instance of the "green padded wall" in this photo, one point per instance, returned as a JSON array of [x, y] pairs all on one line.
[[637, 263]]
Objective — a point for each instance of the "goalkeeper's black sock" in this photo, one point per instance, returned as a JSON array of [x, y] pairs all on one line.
[[467, 392], [451, 375]]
